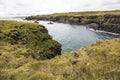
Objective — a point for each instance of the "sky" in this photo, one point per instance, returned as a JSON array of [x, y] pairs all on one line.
[[34, 7]]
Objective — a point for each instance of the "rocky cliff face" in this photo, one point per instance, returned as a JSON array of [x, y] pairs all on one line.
[[107, 21]]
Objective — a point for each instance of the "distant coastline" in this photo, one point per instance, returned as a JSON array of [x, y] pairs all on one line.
[[99, 20]]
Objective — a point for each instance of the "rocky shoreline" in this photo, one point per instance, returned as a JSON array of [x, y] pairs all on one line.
[[106, 20]]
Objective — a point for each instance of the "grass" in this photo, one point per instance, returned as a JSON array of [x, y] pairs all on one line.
[[87, 13], [93, 62], [28, 37], [19, 61]]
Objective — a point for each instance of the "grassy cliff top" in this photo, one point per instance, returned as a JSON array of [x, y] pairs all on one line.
[[74, 14], [7, 25], [22, 36], [87, 13]]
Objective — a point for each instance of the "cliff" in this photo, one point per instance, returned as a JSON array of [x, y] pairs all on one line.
[[101, 20], [23, 46], [30, 38], [100, 61]]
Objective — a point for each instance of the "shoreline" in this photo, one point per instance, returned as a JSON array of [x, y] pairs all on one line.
[[92, 29], [107, 20]]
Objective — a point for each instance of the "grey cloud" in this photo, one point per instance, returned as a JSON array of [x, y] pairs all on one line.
[[50, 6], [114, 2]]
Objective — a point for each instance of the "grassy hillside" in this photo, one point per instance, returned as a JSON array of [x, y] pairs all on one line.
[[32, 37], [20, 60], [100, 20]]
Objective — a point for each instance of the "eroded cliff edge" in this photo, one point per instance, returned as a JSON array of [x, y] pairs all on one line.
[[28, 39], [101, 20]]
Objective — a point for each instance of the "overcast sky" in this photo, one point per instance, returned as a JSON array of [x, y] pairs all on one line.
[[33, 7]]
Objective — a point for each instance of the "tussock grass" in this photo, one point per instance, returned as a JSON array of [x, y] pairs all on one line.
[[99, 61]]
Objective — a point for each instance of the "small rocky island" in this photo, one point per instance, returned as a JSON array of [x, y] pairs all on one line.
[[28, 52], [98, 20]]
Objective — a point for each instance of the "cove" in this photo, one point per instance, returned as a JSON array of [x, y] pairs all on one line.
[[73, 37]]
